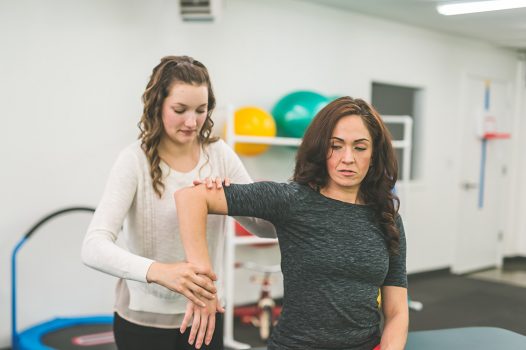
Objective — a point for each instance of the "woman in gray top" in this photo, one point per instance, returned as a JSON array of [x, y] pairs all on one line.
[[340, 236]]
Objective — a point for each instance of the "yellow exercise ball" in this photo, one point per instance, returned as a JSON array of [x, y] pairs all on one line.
[[253, 121]]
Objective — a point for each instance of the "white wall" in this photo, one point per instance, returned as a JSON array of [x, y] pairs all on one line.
[[517, 244], [72, 74]]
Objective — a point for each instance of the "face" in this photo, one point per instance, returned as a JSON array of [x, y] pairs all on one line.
[[184, 112], [350, 152]]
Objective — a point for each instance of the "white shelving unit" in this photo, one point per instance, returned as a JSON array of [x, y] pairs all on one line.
[[232, 241]]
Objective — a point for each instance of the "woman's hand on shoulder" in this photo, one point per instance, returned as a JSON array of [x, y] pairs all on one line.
[[184, 278], [211, 182]]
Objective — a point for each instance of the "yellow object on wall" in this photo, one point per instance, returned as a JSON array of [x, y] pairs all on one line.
[[253, 121]]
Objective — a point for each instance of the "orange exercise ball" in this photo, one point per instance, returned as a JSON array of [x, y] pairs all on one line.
[[253, 121]]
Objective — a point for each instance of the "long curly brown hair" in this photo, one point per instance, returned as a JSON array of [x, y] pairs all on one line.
[[171, 70], [377, 187]]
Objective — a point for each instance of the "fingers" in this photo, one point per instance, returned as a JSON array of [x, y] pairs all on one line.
[[211, 182], [194, 328], [202, 292], [210, 329], [203, 326], [219, 183], [192, 297], [207, 272], [187, 316], [204, 282]]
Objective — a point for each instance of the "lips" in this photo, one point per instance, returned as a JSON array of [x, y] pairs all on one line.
[[347, 172]]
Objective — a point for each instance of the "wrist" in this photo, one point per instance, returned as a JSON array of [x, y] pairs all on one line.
[[153, 272]]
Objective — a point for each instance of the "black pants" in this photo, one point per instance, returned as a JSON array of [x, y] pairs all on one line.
[[130, 336]]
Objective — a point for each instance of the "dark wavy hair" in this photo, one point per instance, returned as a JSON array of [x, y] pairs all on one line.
[[171, 70], [376, 188]]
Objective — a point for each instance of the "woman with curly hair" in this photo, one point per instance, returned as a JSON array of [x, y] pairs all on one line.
[[175, 147], [340, 235]]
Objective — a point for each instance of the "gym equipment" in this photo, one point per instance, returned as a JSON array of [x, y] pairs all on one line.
[[265, 313], [94, 332], [253, 121], [294, 112]]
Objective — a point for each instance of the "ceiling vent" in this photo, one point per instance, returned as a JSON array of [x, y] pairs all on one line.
[[200, 10]]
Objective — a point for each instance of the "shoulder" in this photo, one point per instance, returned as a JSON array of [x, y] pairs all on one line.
[[131, 157], [219, 148], [302, 191], [400, 225]]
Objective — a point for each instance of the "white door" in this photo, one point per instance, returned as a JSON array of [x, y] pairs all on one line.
[[480, 233]]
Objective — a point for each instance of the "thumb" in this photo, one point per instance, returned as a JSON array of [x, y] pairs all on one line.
[[220, 308]]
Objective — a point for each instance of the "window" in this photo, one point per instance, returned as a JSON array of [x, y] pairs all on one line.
[[394, 100]]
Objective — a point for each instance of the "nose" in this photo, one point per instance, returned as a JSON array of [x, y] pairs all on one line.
[[191, 121], [348, 156]]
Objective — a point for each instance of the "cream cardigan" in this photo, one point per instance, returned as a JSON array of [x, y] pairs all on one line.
[[151, 232]]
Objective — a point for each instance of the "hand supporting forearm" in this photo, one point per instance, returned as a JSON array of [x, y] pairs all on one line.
[[184, 278]]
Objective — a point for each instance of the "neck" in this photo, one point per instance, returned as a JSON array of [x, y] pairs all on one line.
[[179, 157], [171, 149], [349, 195]]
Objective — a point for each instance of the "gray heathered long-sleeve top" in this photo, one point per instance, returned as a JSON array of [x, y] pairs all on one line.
[[333, 258]]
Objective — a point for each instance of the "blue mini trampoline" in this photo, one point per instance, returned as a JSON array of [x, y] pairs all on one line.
[[93, 333]]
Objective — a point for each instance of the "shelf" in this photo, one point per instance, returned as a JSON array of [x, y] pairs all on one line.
[[265, 140]]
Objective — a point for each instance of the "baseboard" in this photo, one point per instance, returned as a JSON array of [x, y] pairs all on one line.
[[430, 274], [515, 259]]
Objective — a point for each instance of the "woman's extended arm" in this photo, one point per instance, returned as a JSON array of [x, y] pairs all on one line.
[[396, 314], [193, 205]]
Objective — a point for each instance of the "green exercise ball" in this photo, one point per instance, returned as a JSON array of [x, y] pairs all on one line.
[[294, 112]]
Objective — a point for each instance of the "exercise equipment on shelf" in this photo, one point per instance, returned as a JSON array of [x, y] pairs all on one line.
[[294, 112], [253, 121]]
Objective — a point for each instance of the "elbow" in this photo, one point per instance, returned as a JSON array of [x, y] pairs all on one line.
[[189, 195], [88, 254]]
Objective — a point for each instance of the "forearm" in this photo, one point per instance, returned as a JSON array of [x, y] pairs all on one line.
[[100, 252], [192, 211], [394, 335]]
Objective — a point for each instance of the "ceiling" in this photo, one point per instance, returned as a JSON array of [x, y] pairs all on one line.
[[505, 28]]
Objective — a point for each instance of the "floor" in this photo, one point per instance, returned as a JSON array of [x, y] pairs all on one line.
[[513, 277]]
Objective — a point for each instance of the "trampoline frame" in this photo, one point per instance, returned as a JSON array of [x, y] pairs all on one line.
[[30, 338]]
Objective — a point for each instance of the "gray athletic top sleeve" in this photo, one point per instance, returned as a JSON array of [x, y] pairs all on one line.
[[333, 257]]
